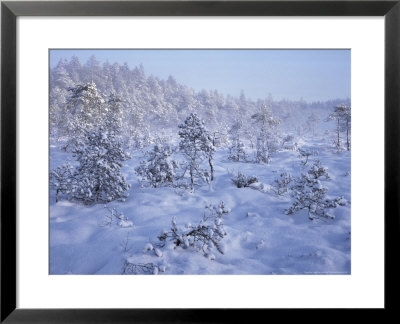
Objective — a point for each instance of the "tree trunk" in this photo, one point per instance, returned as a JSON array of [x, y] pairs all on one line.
[[191, 179], [211, 167]]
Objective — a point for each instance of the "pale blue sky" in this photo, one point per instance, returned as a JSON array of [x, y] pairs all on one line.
[[291, 74]]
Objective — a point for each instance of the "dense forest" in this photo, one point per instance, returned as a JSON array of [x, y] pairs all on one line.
[[148, 103]]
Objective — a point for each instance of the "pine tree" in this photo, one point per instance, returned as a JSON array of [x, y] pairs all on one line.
[[237, 152], [345, 115], [265, 117], [208, 149], [98, 175], [312, 122], [62, 179], [159, 169], [196, 145], [280, 185], [266, 143], [85, 111], [342, 116], [113, 117], [59, 77], [309, 194]]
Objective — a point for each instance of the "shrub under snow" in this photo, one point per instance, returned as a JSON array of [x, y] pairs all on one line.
[[242, 180], [206, 236], [114, 216], [140, 268]]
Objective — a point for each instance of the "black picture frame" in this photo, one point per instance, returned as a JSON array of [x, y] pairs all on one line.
[[10, 10]]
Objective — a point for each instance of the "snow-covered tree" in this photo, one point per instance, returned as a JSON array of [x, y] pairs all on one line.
[[310, 194], [159, 169], [196, 145], [345, 114], [237, 151], [265, 118], [347, 121], [205, 237], [92, 70], [312, 122], [75, 69], [281, 185], [305, 154], [220, 137], [113, 117], [342, 116], [287, 139], [236, 129], [150, 103], [317, 170], [57, 102], [62, 179], [266, 146], [208, 148], [60, 77], [85, 110], [98, 175], [267, 142]]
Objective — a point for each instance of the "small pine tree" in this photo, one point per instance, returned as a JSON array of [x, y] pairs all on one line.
[[237, 152], [196, 145], [281, 185], [310, 194], [288, 143], [305, 155], [113, 114], [159, 169], [267, 143], [98, 175], [342, 116], [62, 179], [312, 122], [317, 170], [266, 146]]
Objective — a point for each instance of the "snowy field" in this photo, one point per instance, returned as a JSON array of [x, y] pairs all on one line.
[[260, 238], [194, 167]]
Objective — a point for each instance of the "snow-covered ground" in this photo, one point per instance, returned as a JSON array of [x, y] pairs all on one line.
[[260, 238]]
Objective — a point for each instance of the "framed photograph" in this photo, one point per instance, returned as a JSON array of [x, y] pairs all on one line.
[[197, 159]]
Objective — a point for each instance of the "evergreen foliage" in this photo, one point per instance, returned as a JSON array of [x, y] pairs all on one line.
[[196, 145]]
